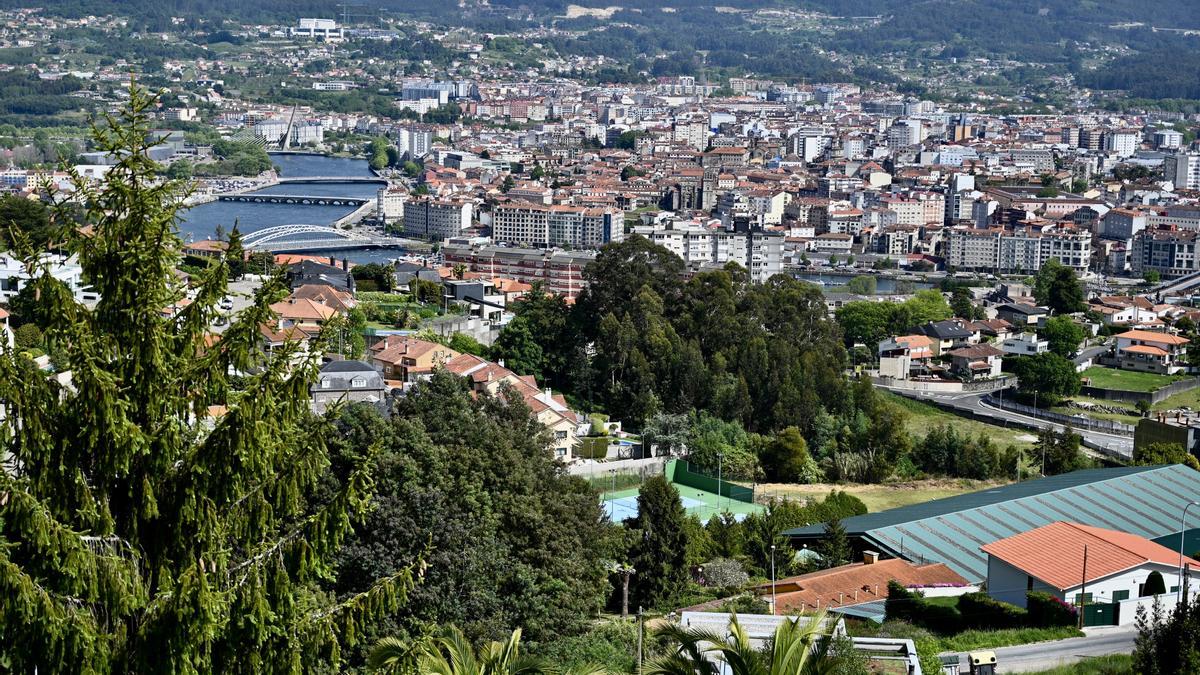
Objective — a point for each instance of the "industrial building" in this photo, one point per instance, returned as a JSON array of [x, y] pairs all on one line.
[[1144, 500]]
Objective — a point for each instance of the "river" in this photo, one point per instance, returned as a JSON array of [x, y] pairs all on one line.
[[200, 222]]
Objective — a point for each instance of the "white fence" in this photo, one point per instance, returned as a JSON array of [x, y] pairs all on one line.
[[590, 469]]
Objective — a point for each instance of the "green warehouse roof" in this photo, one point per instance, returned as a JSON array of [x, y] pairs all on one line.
[[1142, 500]]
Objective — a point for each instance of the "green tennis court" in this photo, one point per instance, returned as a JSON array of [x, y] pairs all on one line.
[[622, 504]]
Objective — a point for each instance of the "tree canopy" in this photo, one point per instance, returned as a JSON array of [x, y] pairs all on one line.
[[159, 515]]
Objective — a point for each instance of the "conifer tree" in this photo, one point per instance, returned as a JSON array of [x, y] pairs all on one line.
[[235, 254], [157, 515]]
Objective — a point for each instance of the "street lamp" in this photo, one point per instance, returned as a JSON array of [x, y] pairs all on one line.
[[1182, 527], [773, 608]]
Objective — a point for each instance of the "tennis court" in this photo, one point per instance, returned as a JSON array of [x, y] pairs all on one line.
[[622, 504]]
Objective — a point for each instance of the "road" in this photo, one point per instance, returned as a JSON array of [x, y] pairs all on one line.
[[1122, 445], [1045, 655]]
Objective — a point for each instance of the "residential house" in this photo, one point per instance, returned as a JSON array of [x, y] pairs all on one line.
[[406, 359], [902, 356], [310, 272], [565, 425], [947, 335], [1025, 344], [976, 361], [347, 382], [303, 313], [1151, 352], [334, 298], [1063, 558], [996, 329], [1020, 314]]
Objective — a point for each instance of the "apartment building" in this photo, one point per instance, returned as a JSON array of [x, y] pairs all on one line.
[[546, 226], [761, 253], [559, 272], [1183, 169], [436, 219], [1024, 249], [1168, 251]]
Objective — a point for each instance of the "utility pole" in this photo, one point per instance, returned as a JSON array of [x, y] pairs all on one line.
[[720, 459], [640, 631], [1083, 588], [774, 611]]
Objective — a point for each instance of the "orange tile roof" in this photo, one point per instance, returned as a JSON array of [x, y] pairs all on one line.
[[1151, 336], [1145, 349], [1054, 553], [855, 583]]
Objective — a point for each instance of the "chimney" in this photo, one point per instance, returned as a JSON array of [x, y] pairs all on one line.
[[549, 394], [332, 261], [870, 557], [345, 265]]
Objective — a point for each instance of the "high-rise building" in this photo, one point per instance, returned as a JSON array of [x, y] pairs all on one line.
[[546, 226], [1183, 169], [436, 219], [761, 253]]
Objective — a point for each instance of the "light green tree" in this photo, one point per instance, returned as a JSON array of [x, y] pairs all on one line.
[[156, 515]]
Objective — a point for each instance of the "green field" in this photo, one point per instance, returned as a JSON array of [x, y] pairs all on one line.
[[877, 497], [924, 416], [1127, 380], [1117, 664]]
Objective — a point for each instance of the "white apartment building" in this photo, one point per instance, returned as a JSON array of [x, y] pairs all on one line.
[[1183, 169], [1122, 224], [14, 276], [546, 226], [761, 253], [321, 29], [413, 141], [1020, 250], [435, 219], [389, 204], [1123, 142], [1168, 139]]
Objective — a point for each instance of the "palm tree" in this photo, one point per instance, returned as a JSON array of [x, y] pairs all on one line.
[[452, 654], [799, 647]]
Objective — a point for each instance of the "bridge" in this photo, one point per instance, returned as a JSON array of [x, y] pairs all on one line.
[[333, 179], [308, 200], [301, 238], [1177, 285]]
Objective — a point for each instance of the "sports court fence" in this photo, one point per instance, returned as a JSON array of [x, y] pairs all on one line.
[[682, 472]]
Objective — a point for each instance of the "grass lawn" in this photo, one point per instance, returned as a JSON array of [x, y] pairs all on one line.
[[971, 640], [1127, 380], [1116, 664], [878, 497], [924, 416]]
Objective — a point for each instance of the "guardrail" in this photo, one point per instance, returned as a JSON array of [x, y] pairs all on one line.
[[1077, 422]]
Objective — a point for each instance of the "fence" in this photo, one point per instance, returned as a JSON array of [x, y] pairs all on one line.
[[1157, 396], [680, 471], [650, 466], [944, 386], [1080, 422]]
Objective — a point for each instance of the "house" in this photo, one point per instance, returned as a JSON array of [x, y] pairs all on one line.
[[339, 300], [347, 382], [405, 358], [311, 272], [1051, 559], [947, 335], [976, 361], [1020, 314], [997, 329], [405, 272], [903, 355], [479, 296], [1120, 310], [1151, 352], [1025, 344], [303, 312], [565, 425], [858, 583]]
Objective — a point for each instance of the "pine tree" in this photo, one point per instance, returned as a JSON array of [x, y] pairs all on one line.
[[659, 555], [834, 546], [235, 254], [156, 516]]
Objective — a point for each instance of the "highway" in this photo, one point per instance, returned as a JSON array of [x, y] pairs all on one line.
[[1121, 445], [1099, 641]]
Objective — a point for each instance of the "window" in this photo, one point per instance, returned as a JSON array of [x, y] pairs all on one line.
[[1082, 598], [358, 382], [324, 383], [560, 452], [1028, 583], [560, 435], [1120, 595]]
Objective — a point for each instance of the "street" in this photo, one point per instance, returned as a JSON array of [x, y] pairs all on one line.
[[1099, 641], [1121, 445]]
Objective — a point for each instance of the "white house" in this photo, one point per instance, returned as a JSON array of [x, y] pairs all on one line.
[[1051, 559], [14, 276], [1024, 344]]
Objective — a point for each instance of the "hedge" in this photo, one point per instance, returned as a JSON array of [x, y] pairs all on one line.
[[1046, 611], [980, 610]]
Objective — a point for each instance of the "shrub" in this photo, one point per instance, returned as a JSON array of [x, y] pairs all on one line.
[[902, 604], [28, 336], [725, 573], [1045, 610], [980, 610]]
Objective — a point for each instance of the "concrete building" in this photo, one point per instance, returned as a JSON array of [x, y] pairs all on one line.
[[1183, 169], [548, 226], [319, 29], [558, 271], [347, 382], [436, 219], [389, 204], [761, 253], [1168, 139], [1170, 252]]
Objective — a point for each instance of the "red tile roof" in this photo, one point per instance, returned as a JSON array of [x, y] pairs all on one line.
[[855, 583], [1054, 553]]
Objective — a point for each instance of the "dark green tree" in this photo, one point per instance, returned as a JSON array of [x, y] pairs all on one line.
[[659, 551], [235, 254], [518, 349], [785, 457], [1061, 452], [1063, 334], [962, 304], [1152, 454], [1057, 286], [1051, 376], [26, 223], [140, 533], [834, 546]]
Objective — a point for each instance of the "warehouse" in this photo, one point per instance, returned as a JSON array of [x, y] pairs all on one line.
[[1144, 500]]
